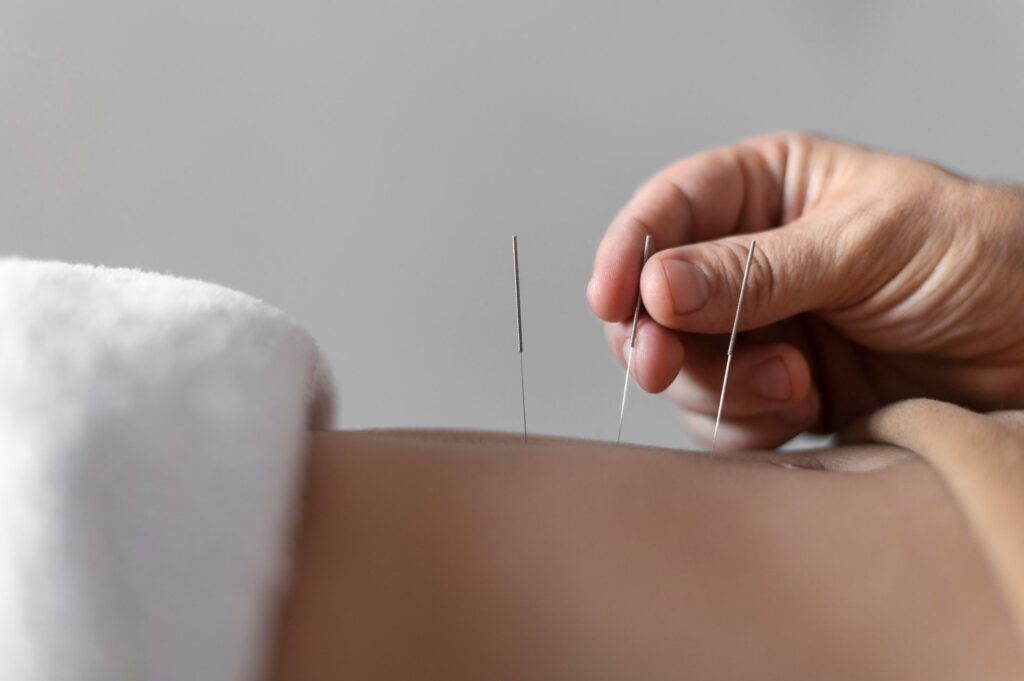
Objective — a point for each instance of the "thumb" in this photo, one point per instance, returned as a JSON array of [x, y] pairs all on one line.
[[794, 269]]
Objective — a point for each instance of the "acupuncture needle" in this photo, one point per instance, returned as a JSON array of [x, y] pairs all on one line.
[[732, 344], [519, 331], [632, 340]]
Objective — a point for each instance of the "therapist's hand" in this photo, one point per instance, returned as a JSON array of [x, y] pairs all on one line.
[[876, 278]]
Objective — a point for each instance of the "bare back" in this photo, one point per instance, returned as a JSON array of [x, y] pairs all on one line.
[[467, 555]]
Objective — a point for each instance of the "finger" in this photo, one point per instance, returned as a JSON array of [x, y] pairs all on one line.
[[755, 432], [796, 268], [707, 196], [657, 353], [763, 379]]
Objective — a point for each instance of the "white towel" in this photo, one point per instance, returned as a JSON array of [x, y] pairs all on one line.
[[151, 431]]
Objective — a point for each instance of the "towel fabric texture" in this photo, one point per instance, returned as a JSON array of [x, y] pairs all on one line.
[[151, 434]]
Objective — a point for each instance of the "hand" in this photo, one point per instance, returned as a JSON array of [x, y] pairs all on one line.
[[875, 278]]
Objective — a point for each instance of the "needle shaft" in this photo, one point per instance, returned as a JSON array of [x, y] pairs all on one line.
[[732, 344], [519, 332], [632, 341]]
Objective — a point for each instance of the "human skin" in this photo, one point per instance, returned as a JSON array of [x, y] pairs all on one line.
[[448, 555], [980, 457], [876, 278]]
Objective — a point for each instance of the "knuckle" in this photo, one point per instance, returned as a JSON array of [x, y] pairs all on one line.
[[640, 221], [788, 142], [730, 257], [802, 140], [659, 208], [761, 286]]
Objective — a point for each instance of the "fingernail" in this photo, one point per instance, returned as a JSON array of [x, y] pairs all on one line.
[[687, 284], [797, 414], [771, 380]]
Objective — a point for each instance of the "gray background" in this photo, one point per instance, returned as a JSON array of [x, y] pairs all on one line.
[[364, 165]]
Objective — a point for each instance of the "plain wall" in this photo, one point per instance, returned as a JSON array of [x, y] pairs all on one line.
[[364, 165]]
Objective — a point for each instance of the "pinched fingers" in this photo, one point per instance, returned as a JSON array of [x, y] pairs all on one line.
[[704, 197], [764, 379], [657, 354]]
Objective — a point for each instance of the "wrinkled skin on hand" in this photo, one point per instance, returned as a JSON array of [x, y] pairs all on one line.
[[876, 278]]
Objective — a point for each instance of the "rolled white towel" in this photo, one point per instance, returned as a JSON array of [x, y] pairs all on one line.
[[151, 432]]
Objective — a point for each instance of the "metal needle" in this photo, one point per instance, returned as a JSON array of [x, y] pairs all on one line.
[[519, 330], [732, 343], [632, 341]]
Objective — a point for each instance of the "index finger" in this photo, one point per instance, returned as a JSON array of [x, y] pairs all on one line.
[[706, 196]]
